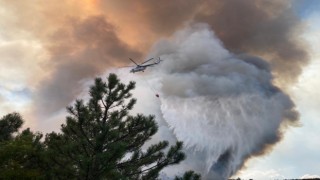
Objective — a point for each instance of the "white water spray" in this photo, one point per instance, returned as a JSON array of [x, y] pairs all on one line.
[[222, 106]]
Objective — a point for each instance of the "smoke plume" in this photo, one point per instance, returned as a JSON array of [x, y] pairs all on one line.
[[268, 29], [81, 50], [215, 97], [83, 38], [222, 106]]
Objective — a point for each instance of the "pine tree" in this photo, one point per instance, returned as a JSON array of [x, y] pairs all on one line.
[[189, 175], [20, 153], [100, 140], [9, 124]]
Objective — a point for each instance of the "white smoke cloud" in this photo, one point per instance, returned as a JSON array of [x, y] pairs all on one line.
[[224, 107], [262, 175], [309, 176]]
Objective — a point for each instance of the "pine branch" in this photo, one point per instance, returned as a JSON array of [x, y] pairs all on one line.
[[85, 136], [159, 164]]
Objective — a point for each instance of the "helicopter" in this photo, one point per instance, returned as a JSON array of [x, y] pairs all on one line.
[[142, 67]]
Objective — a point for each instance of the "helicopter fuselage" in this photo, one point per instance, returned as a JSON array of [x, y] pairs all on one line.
[[138, 69], [142, 67]]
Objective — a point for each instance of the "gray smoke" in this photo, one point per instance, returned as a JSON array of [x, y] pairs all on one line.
[[269, 29], [224, 107], [80, 50]]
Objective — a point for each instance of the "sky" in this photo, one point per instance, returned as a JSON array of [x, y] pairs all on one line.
[[50, 52]]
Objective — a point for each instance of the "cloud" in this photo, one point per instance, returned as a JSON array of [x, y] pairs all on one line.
[[263, 175], [14, 100], [309, 176]]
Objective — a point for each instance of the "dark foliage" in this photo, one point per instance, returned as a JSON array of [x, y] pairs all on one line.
[[20, 155], [100, 140]]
